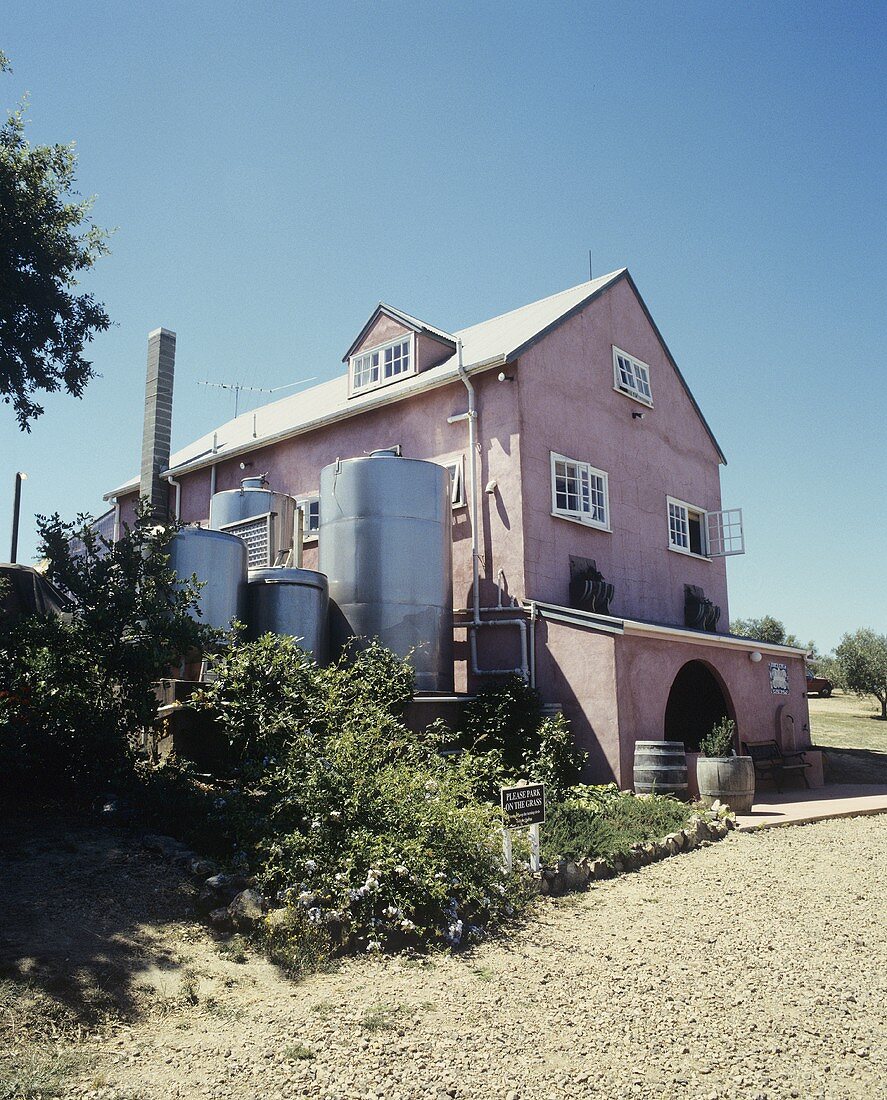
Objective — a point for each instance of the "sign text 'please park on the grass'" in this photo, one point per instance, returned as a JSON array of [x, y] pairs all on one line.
[[523, 806]]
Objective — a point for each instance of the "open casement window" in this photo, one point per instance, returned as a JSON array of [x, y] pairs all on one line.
[[579, 492], [631, 377], [704, 534], [310, 507], [457, 483], [383, 364]]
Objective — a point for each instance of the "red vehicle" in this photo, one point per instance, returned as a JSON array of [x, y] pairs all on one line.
[[819, 685]]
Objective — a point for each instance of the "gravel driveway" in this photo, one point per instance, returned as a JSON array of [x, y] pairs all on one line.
[[754, 968]]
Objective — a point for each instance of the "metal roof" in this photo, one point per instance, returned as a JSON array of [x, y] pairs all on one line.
[[484, 346]]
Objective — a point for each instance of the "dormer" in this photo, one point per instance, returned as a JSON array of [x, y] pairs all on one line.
[[391, 346]]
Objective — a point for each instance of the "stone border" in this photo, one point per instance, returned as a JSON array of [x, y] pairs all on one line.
[[701, 831]]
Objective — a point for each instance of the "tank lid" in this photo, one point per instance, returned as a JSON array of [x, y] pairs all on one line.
[[260, 482], [386, 452], [307, 578]]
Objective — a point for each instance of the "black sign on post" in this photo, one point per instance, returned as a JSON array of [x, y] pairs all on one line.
[[523, 806]]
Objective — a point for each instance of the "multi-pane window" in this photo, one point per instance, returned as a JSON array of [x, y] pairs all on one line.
[[705, 534], [579, 491], [631, 376], [380, 365], [310, 516]]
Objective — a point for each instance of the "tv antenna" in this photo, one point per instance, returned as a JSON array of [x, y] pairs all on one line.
[[239, 387]]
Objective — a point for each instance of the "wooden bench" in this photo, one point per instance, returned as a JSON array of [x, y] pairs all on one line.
[[772, 763]]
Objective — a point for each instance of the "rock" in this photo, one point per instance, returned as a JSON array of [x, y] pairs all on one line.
[[678, 839], [220, 919], [165, 846], [572, 875], [246, 909], [202, 868], [219, 890], [600, 869]]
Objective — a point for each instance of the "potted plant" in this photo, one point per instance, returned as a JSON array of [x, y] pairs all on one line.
[[720, 774]]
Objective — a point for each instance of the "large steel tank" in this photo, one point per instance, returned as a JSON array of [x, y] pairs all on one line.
[[386, 547], [290, 601], [262, 518], [219, 560]]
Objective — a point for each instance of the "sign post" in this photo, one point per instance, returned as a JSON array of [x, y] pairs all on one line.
[[523, 807]]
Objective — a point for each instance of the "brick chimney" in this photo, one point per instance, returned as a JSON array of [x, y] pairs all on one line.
[[157, 432]]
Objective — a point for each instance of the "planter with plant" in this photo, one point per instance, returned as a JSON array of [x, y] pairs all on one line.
[[720, 774]]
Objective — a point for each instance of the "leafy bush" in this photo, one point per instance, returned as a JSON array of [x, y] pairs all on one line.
[[720, 741], [353, 820], [602, 822], [75, 695], [504, 728]]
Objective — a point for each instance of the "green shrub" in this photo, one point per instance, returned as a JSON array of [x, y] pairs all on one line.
[[351, 819], [503, 726], [603, 822], [720, 741]]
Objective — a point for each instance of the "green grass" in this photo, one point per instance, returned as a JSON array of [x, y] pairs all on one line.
[[847, 722], [573, 830], [852, 736], [298, 1052], [379, 1018]]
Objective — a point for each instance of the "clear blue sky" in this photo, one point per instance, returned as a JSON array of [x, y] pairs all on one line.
[[275, 169]]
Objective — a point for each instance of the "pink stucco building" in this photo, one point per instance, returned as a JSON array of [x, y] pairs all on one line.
[[599, 522]]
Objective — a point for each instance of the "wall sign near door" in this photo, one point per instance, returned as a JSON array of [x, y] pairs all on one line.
[[778, 678]]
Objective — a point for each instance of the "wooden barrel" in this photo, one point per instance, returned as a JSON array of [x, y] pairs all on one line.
[[729, 779], [660, 767]]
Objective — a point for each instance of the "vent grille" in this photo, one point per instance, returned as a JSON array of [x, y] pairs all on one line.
[[256, 533]]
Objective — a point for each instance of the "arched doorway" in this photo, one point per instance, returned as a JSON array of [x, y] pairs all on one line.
[[696, 702]]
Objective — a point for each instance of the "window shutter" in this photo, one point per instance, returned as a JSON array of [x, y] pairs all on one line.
[[725, 534]]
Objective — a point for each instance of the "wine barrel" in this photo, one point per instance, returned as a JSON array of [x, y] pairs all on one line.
[[729, 779], [660, 767]]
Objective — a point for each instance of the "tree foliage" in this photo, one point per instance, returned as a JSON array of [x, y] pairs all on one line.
[[47, 238], [76, 694], [768, 630], [862, 657]]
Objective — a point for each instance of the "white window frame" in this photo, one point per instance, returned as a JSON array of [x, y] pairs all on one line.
[[304, 503], [458, 499], [583, 469], [369, 365], [721, 532], [634, 379]]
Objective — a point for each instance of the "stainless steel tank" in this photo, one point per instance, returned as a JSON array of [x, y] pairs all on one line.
[[262, 518], [220, 561], [290, 601], [385, 544]]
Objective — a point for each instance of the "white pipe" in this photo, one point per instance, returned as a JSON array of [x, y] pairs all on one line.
[[177, 485], [471, 416], [533, 617], [116, 535], [522, 671]]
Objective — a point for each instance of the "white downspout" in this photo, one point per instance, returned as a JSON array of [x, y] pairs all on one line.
[[177, 485], [477, 622], [116, 535]]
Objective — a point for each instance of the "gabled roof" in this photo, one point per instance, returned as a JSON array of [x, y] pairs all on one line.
[[490, 344], [405, 319]]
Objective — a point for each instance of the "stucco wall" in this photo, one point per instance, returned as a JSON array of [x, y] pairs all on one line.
[[568, 400], [646, 669]]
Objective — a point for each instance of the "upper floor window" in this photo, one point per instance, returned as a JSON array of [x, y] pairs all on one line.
[[382, 364], [704, 534], [631, 376], [579, 492]]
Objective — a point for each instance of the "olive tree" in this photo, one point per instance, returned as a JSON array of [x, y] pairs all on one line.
[[47, 238], [862, 657]]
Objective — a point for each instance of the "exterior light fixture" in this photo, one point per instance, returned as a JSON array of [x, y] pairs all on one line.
[[754, 657], [503, 377]]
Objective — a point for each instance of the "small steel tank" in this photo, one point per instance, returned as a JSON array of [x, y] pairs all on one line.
[[386, 547], [290, 601], [262, 518], [220, 561]]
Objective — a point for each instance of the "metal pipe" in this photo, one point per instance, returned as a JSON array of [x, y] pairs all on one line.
[[471, 417], [16, 510], [116, 520], [177, 485], [533, 617], [522, 671]]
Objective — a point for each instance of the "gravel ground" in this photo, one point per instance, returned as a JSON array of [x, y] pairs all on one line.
[[755, 968]]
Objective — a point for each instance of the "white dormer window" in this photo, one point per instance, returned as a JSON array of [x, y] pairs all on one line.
[[631, 377], [382, 364]]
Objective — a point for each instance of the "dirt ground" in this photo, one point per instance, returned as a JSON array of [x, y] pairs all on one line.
[[756, 968]]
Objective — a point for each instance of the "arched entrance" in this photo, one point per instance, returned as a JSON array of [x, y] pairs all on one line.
[[696, 702]]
